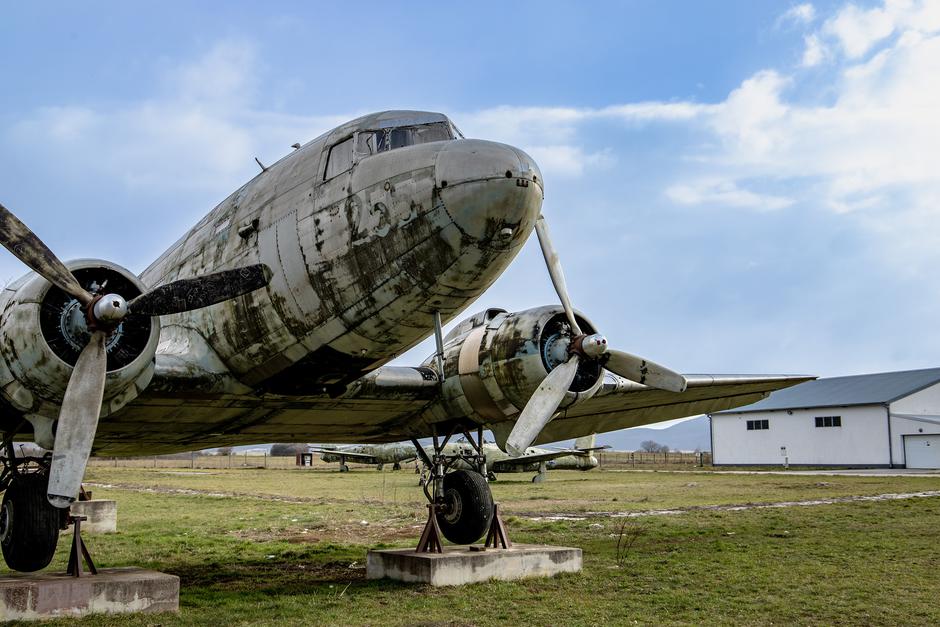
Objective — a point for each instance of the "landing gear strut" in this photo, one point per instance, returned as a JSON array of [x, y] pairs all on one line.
[[460, 502], [29, 524], [543, 469]]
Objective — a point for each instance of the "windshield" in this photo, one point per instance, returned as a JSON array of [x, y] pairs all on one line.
[[373, 142]]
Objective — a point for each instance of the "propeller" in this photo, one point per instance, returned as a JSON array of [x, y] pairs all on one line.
[[548, 396], [81, 405]]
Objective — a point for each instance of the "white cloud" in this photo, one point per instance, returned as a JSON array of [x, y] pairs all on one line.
[[724, 193], [224, 76], [568, 161], [866, 148], [653, 111], [749, 120], [200, 135], [813, 52], [800, 13], [858, 30]]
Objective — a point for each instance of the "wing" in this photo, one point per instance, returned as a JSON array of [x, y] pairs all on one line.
[[193, 402], [362, 458], [620, 404]]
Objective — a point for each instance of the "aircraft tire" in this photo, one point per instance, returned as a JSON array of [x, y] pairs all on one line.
[[29, 524], [470, 510]]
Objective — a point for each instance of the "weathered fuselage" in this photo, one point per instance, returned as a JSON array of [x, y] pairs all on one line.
[[362, 252]]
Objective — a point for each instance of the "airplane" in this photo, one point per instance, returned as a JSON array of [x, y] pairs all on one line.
[[274, 318], [395, 453], [533, 459]]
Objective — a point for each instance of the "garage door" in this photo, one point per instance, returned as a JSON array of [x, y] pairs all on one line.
[[922, 451]]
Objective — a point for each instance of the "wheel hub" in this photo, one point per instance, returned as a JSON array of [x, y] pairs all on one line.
[[6, 522], [453, 506]]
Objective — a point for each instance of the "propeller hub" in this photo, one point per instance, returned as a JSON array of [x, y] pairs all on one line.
[[109, 310], [590, 346]]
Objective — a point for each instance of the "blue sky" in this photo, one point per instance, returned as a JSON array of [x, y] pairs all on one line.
[[732, 186]]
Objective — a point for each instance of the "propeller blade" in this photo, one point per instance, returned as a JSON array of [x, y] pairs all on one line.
[[555, 271], [541, 407], [644, 371], [22, 242], [78, 421], [199, 292]]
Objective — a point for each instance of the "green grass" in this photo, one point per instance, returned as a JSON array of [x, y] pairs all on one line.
[[253, 559]]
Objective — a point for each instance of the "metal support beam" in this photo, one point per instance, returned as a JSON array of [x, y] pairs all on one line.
[[439, 342]]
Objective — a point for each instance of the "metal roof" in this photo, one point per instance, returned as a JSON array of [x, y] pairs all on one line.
[[864, 389]]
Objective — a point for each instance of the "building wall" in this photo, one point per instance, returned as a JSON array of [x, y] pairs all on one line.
[[925, 403], [861, 440]]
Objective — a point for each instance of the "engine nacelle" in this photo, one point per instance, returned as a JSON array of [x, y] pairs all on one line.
[[495, 360], [43, 332]]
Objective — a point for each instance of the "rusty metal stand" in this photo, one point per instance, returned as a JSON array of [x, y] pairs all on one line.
[[430, 541], [79, 550], [497, 533]]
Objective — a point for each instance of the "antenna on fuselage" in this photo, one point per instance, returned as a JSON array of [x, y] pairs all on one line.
[[258, 161]]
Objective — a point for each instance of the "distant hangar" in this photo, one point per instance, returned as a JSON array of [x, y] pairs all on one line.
[[890, 419]]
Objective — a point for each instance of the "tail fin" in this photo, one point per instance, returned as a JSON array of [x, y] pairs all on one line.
[[586, 442]]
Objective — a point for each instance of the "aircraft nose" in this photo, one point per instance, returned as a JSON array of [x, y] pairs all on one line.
[[492, 191]]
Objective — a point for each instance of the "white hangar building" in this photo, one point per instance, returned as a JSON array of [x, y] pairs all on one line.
[[891, 419]]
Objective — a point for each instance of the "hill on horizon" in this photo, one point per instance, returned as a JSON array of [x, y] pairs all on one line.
[[686, 436]]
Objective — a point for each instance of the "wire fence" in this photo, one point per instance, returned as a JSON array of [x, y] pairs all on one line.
[[623, 460], [607, 460], [207, 462]]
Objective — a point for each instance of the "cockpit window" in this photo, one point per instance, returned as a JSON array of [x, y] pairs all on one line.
[[340, 159], [373, 142]]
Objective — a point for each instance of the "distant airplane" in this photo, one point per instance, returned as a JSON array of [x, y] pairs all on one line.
[[378, 455], [272, 320], [532, 460]]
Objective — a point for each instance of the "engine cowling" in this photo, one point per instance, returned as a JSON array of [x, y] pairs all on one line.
[[43, 332], [495, 360]]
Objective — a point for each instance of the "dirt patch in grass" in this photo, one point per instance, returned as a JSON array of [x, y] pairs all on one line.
[[351, 532], [274, 574], [724, 508]]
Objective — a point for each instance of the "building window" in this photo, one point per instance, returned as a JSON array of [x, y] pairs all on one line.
[[828, 421], [758, 425]]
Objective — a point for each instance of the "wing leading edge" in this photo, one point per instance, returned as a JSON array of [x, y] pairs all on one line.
[[621, 404]]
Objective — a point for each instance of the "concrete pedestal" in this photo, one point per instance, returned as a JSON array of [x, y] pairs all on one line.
[[459, 565], [102, 515], [36, 596]]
